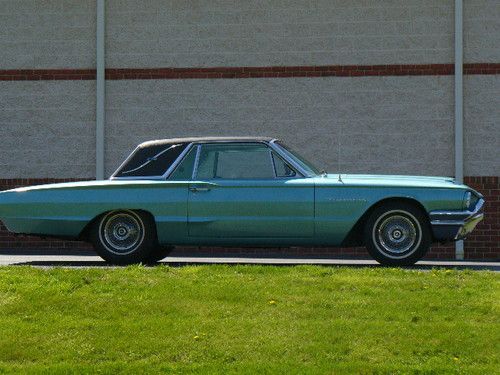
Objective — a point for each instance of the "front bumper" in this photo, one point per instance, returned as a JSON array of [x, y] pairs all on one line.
[[455, 225]]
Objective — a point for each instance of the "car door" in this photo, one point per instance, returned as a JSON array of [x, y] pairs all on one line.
[[245, 190]]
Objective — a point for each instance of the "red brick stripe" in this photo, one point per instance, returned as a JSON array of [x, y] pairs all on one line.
[[248, 72], [47, 74]]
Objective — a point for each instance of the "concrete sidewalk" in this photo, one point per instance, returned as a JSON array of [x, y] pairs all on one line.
[[69, 258]]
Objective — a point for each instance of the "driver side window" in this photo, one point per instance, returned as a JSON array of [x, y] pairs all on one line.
[[235, 161]]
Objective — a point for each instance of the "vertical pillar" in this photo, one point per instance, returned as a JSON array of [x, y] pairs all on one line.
[[100, 91], [459, 112]]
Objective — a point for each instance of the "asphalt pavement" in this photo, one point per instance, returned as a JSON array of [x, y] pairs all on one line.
[[84, 258]]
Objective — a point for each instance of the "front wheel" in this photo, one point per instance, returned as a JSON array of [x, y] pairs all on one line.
[[124, 237], [397, 234]]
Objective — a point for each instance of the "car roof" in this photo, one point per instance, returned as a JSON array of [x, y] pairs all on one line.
[[204, 140]]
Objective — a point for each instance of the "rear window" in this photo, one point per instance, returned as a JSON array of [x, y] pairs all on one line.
[[151, 161]]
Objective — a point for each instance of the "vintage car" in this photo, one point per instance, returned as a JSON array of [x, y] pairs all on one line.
[[240, 192]]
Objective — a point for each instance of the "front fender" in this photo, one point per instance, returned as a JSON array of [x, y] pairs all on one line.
[[339, 209]]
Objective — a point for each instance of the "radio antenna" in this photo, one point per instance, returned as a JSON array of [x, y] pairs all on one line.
[[338, 151]]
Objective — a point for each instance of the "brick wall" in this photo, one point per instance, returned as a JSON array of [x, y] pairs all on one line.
[[483, 244]]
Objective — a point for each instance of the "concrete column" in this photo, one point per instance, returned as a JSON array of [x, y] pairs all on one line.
[[459, 112], [100, 91]]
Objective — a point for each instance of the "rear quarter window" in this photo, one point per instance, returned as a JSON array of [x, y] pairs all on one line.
[[151, 161]]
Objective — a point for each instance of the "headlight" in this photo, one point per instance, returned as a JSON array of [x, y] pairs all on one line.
[[467, 200]]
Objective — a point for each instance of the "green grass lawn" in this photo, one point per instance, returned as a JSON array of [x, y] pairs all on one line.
[[248, 319]]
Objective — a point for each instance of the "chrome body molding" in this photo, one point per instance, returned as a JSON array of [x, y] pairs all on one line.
[[346, 200], [455, 225]]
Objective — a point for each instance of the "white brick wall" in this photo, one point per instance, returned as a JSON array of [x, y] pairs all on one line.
[[482, 125], [384, 125], [61, 33], [47, 129], [47, 34], [481, 31], [255, 33]]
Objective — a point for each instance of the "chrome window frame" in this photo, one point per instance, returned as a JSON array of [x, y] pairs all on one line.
[[272, 145], [196, 161], [272, 162]]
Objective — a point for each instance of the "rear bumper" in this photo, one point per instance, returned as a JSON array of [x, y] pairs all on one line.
[[455, 225]]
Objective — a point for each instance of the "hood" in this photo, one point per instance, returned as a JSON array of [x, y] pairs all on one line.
[[396, 180]]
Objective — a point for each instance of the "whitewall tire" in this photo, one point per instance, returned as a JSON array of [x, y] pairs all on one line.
[[124, 236], [397, 234]]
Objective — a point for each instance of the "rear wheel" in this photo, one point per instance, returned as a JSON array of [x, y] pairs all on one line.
[[124, 237], [397, 234]]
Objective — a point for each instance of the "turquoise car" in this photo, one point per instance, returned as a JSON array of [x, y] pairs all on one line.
[[243, 192]]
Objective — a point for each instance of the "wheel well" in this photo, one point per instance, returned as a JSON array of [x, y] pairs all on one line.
[[355, 235], [85, 233]]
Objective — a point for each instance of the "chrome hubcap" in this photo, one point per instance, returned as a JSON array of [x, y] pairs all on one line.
[[122, 232], [397, 234]]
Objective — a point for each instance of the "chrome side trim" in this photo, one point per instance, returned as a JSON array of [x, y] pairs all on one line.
[[447, 222], [132, 178], [457, 222]]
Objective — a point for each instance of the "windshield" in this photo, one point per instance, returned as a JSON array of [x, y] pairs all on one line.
[[300, 160]]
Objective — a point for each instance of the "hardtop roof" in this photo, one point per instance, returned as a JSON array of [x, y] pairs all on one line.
[[168, 141]]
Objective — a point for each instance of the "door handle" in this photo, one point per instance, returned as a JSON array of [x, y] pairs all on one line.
[[195, 189], [200, 186]]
